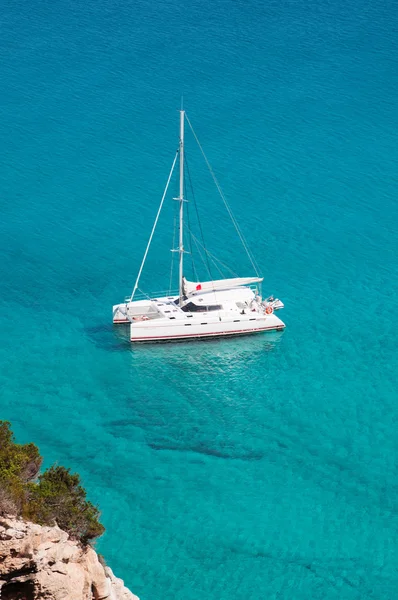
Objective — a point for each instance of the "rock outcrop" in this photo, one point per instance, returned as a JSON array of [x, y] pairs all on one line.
[[42, 563]]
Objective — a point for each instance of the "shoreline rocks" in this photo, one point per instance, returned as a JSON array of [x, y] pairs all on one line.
[[42, 563]]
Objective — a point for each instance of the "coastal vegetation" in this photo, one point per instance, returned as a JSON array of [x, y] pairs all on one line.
[[53, 496]]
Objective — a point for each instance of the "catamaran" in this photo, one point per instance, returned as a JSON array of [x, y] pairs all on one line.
[[201, 309]]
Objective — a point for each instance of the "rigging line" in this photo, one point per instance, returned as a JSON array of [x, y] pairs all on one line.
[[240, 234], [207, 265], [172, 253], [218, 268], [212, 258], [195, 239], [215, 259], [154, 227], [144, 293], [197, 216], [189, 222], [188, 227], [205, 262]]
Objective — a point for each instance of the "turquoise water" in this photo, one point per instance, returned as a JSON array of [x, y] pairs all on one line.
[[251, 468]]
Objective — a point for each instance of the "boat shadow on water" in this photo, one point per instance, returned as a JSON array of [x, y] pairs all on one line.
[[116, 338], [201, 354], [109, 337]]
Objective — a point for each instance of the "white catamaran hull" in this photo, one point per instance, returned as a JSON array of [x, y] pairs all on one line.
[[148, 331], [127, 311]]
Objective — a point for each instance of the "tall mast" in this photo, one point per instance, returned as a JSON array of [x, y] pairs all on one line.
[[181, 200]]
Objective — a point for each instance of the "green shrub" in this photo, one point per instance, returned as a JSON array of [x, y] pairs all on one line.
[[56, 496], [19, 463]]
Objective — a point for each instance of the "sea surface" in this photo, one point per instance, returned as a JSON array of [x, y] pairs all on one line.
[[250, 468]]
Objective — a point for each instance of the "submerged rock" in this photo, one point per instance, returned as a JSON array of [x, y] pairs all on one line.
[[42, 563]]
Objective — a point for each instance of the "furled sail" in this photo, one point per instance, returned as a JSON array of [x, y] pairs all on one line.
[[193, 287]]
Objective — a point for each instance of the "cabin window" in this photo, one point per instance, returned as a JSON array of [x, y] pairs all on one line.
[[191, 307]]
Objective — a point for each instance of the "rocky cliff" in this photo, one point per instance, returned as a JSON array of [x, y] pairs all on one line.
[[42, 563]]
